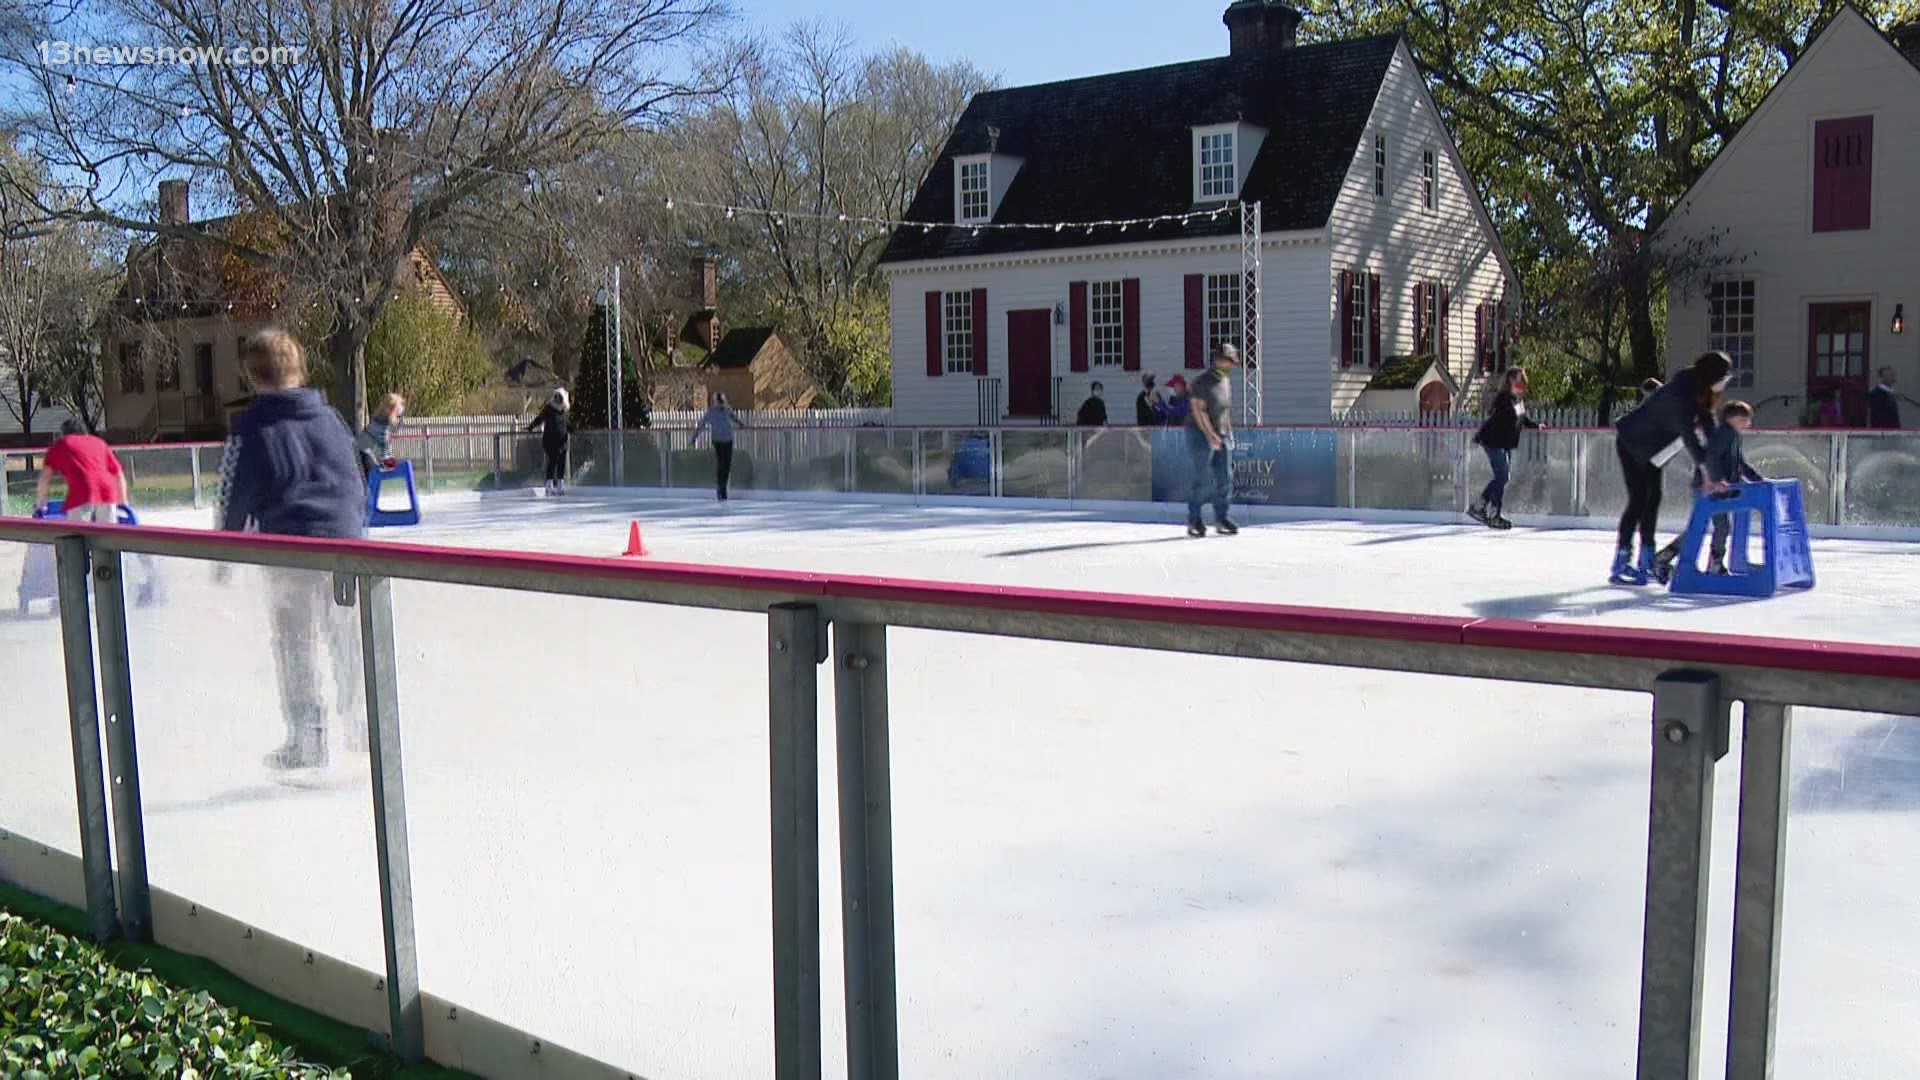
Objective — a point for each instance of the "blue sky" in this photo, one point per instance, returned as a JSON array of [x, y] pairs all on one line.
[[1021, 41]]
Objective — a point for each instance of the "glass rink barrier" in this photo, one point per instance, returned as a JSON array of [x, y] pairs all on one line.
[[532, 814], [1864, 482]]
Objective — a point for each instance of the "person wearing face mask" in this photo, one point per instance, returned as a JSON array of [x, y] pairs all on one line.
[[1093, 413], [1654, 433]]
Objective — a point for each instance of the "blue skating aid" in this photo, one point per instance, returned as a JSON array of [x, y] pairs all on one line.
[[380, 519], [1788, 559]]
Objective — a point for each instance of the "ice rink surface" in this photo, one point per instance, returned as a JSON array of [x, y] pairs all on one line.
[[1110, 863]]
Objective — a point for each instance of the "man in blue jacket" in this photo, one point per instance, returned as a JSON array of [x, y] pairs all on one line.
[[290, 470]]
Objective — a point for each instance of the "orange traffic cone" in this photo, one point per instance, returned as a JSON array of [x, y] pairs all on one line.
[[635, 548]]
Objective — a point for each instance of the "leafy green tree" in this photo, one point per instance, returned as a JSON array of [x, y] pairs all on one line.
[[1585, 121], [424, 353]]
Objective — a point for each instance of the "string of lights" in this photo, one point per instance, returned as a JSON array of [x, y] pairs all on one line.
[[532, 182]]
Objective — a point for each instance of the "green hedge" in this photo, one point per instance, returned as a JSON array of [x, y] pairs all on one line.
[[66, 1010]]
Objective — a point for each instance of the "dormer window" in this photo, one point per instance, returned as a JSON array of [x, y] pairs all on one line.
[[1218, 164], [975, 190], [1222, 157]]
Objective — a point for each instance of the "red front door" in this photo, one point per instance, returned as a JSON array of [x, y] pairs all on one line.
[[1837, 356], [1030, 363]]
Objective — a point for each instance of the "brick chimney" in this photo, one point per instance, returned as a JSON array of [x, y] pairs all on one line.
[[1906, 38], [173, 202], [705, 280], [1259, 26]]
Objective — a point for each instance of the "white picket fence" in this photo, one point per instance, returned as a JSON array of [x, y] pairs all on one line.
[[801, 418]]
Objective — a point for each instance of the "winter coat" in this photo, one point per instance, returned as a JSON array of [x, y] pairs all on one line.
[[1671, 414], [1501, 430], [290, 470], [552, 426]]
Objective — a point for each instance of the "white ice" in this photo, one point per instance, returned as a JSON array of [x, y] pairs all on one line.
[[1110, 863]]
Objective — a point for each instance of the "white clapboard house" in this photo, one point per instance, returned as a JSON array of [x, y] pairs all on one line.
[[1376, 246], [1795, 250]]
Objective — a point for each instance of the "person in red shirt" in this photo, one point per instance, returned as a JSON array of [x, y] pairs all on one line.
[[96, 487]]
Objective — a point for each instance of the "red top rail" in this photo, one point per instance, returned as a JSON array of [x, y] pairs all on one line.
[[1683, 647]]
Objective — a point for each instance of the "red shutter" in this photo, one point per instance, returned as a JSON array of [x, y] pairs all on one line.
[[1482, 361], [1373, 320], [1077, 325], [1196, 322], [936, 359], [1843, 174], [979, 331], [1130, 324], [1344, 306], [1446, 319]]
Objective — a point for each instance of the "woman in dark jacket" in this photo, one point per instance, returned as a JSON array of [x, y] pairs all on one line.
[[1499, 436], [1649, 437], [552, 426]]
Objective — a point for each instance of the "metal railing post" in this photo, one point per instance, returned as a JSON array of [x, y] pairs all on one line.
[[123, 757], [499, 474], [1839, 459], [795, 650], [1690, 734], [405, 1019], [1760, 871], [427, 442], [866, 850], [193, 465], [83, 716]]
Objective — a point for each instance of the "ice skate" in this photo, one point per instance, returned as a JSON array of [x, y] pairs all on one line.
[[1496, 521], [1197, 530], [1226, 527], [1623, 571], [1662, 569], [1718, 568], [303, 752], [1478, 512]]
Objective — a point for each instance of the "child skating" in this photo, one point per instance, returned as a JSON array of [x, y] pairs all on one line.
[[1499, 436], [1724, 465], [290, 470]]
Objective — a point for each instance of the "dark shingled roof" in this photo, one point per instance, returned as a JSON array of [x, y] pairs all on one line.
[[739, 347], [1121, 146]]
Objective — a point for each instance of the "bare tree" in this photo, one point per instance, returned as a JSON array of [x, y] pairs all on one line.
[[385, 116], [54, 285], [815, 138]]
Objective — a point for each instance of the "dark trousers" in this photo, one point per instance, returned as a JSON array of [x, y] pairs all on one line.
[[1212, 479], [722, 466], [1500, 460], [1643, 499], [556, 462]]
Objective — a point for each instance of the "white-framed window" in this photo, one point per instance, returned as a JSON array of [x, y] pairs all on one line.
[[1216, 164], [1360, 314], [1429, 181], [1225, 318], [1380, 166], [1731, 324], [976, 189], [959, 332], [1106, 324]]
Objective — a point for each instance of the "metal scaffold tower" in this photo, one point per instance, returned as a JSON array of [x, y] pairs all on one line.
[[1253, 408]]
